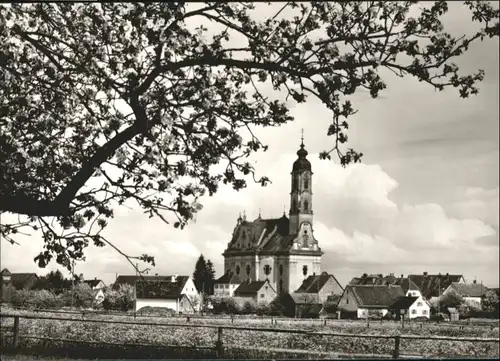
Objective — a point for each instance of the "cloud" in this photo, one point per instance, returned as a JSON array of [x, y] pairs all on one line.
[[359, 227]]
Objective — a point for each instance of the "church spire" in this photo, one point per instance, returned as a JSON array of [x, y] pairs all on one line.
[[301, 192]]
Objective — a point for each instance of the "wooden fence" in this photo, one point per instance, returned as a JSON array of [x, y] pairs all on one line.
[[219, 348]]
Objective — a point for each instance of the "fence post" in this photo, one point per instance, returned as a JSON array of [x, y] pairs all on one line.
[[219, 346], [15, 341], [396, 347]]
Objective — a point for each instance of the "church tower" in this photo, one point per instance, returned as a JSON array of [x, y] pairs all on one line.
[[301, 192]]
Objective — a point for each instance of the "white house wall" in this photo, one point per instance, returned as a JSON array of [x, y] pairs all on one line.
[[364, 313], [225, 290], [413, 293], [473, 301], [420, 308]]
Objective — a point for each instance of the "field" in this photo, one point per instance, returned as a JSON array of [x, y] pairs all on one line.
[[258, 337]]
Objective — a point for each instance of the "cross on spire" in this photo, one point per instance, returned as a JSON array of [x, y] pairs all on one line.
[[302, 136]]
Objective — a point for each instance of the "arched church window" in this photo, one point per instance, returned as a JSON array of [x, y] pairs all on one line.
[[294, 205], [306, 182], [248, 269], [281, 269], [304, 271], [280, 286], [238, 270], [306, 205], [267, 269]]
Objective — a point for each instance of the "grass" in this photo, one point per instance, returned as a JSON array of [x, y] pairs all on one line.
[[255, 344], [19, 357]]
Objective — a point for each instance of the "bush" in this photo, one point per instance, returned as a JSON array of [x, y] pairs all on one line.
[[41, 299], [21, 298], [225, 305], [263, 309], [248, 308], [44, 299], [121, 299]]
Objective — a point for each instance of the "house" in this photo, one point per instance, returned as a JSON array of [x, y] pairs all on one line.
[[329, 309], [162, 293], [453, 314], [472, 293], [99, 296], [301, 305], [409, 287], [225, 285], [95, 284], [410, 307], [20, 281], [324, 285], [258, 291], [433, 285], [368, 301], [185, 282]]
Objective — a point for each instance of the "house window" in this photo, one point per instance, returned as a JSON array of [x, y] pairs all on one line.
[[181, 303], [281, 269], [248, 270], [306, 205], [304, 270], [216, 286], [413, 312], [419, 303], [347, 301], [306, 183], [266, 287], [226, 286], [424, 312], [261, 295]]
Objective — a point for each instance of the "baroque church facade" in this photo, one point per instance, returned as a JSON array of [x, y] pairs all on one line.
[[282, 250]]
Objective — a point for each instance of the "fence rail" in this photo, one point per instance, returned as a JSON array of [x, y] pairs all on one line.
[[219, 347]]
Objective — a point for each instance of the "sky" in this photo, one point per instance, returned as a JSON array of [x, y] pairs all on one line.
[[425, 197]]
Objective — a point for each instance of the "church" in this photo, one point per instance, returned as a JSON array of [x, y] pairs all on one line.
[[284, 250]]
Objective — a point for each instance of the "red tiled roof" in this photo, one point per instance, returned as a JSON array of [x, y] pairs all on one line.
[[314, 284], [403, 303], [434, 285], [20, 280], [229, 277], [250, 289], [469, 289], [158, 289], [130, 280], [376, 295]]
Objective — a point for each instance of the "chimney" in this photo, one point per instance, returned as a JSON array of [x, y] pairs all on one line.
[[425, 273], [373, 280], [95, 278], [174, 278], [474, 281], [391, 274], [402, 276]]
